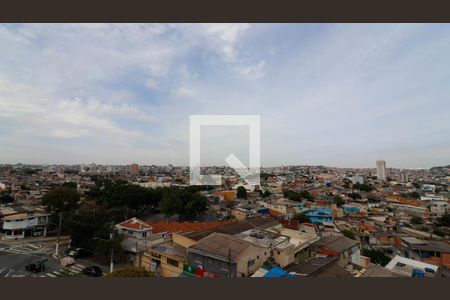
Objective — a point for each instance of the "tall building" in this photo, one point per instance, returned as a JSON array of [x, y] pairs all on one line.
[[134, 169], [381, 170], [403, 176], [357, 178]]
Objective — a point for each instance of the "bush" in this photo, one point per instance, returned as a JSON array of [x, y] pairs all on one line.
[[416, 220], [376, 256], [131, 272], [349, 234]]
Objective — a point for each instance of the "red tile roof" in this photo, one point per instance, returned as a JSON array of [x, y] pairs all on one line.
[[135, 224], [186, 226]]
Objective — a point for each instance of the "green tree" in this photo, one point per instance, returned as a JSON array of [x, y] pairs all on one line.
[[131, 272], [376, 256], [416, 220], [241, 192], [266, 194], [349, 234], [298, 196], [6, 198], [302, 218], [339, 201], [438, 232], [70, 184], [183, 203], [61, 199], [444, 220], [363, 187]]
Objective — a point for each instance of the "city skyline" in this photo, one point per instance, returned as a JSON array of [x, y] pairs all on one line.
[[334, 95]]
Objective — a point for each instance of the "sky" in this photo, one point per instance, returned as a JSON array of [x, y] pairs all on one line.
[[342, 95]]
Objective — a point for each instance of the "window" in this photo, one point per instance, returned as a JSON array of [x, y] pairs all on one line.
[[251, 262], [144, 234], [257, 257], [172, 262]]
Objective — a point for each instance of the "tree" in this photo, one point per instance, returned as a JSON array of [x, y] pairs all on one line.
[[444, 220], [355, 196], [183, 203], [266, 194], [301, 218], [70, 184], [339, 201], [61, 199], [6, 198], [298, 196], [416, 220], [438, 232], [349, 234], [241, 192], [131, 272], [363, 187], [376, 256]]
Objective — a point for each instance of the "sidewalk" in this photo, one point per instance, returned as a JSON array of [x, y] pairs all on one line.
[[33, 240]]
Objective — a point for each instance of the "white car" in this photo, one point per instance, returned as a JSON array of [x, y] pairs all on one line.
[[67, 261]]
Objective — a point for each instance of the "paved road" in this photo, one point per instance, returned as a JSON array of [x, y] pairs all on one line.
[[14, 258]]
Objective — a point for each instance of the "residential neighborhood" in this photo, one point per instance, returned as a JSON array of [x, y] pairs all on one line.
[[301, 221]]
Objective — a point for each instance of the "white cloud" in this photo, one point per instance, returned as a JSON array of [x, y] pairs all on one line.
[[183, 92]]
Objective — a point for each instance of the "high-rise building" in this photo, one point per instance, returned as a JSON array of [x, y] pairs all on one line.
[[381, 170], [134, 169], [404, 176], [357, 178]]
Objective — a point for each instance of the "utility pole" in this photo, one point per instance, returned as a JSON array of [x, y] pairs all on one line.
[[111, 267], [59, 235], [229, 263]]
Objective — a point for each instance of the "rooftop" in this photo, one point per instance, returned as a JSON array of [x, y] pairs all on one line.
[[336, 243], [222, 246], [135, 224]]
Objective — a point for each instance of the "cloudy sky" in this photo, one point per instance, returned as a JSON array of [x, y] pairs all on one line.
[[337, 95]]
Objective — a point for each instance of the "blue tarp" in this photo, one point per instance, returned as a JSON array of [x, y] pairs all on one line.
[[277, 272]]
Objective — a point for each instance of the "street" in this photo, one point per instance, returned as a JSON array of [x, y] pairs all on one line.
[[14, 258]]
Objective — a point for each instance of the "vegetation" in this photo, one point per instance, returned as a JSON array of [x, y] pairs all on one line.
[[241, 192], [349, 234], [61, 199], [266, 194], [416, 220], [363, 187], [355, 196], [185, 204], [90, 222], [131, 272], [265, 176], [298, 196], [444, 220], [339, 201], [376, 256], [301, 218], [6, 198], [439, 232]]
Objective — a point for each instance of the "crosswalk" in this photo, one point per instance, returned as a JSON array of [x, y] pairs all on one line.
[[69, 271], [28, 249]]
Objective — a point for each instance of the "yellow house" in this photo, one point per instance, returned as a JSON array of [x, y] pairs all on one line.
[[166, 259]]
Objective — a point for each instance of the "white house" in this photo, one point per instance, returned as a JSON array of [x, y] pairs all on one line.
[[25, 224], [135, 228]]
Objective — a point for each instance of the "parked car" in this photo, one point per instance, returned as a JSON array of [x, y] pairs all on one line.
[[35, 267], [77, 252], [67, 261], [92, 271]]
